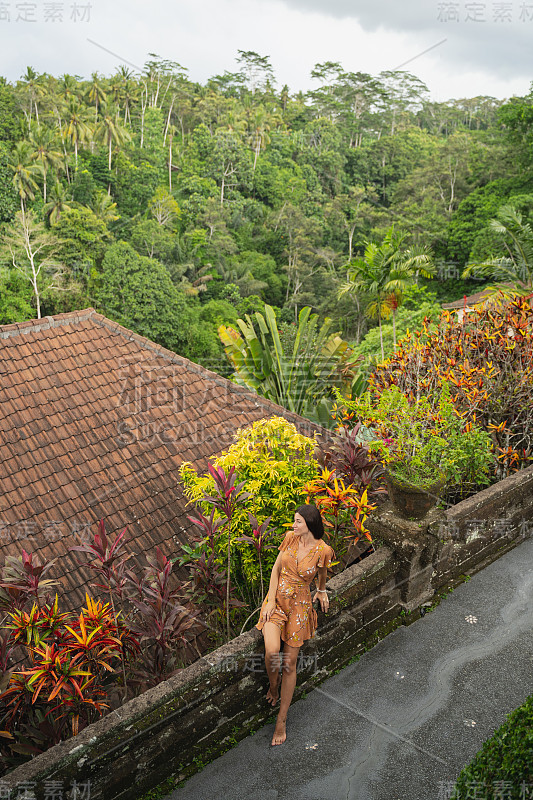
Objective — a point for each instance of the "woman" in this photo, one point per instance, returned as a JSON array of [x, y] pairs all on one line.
[[287, 612]]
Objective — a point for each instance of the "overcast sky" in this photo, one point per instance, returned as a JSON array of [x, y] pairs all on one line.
[[472, 47]]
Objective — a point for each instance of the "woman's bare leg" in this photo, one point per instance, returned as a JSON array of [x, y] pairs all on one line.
[[272, 637], [290, 656]]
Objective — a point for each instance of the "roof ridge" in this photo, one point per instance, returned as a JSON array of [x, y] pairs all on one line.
[[170, 355], [70, 317], [45, 323]]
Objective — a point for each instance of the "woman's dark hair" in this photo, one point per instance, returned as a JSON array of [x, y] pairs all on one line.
[[313, 520]]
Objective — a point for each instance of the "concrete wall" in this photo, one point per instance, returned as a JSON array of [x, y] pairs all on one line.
[[202, 710]]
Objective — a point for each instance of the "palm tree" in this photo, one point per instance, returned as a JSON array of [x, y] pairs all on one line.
[[259, 137], [234, 120], [111, 132], [77, 128], [57, 203], [31, 83], [129, 90], [68, 88], [25, 172], [384, 270], [96, 93], [43, 143], [104, 207], [515, 269], [405, 269], [241, 276]]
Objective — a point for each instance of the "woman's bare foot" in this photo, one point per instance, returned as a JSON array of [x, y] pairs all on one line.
[[280, 733], [273, 694]]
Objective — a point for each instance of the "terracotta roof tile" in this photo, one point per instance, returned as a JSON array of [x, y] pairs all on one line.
[[94, 422]]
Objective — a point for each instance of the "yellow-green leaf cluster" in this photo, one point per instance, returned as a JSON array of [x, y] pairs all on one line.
[[276, 462]]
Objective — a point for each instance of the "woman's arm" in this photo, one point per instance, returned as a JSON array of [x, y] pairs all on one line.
[[272, 589], [321, 595], [274, 577]]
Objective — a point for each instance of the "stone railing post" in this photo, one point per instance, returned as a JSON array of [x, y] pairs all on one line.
[[415, 545]]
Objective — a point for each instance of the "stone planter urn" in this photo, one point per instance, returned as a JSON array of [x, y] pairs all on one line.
[[410, 501]]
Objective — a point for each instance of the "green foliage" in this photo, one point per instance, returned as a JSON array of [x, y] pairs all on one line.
[[517, 116], [135, 183], [275, 462], [83, 187], [419, 304], [15, 297], [8, 112], [263, 268], [471, 218], [8, 198], [272, 192], [153, 240], [513, 233], [153, 145], [137, 292], [83, 240], [504, 760], [381, 276], [420, 441], [32, 250], [300, 380]]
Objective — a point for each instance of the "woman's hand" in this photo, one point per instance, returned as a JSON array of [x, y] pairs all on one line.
[[323, 599], [269, 610]]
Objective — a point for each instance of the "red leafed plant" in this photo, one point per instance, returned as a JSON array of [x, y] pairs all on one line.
[[61, 670], [108, 560], [22, 578], [164, 624], [226, 498], [487, 360]]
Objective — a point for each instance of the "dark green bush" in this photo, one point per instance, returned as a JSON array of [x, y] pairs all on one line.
[[504, 765]]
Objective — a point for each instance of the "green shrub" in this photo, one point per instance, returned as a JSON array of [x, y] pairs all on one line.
[[504, 765], [276, 462], [420, 440]]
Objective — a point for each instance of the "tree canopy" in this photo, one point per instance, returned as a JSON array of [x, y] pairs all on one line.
[[176, 207]]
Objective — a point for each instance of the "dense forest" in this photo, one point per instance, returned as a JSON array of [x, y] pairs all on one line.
[[175, 207]]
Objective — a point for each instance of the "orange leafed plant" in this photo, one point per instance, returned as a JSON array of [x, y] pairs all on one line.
[[487, 359], [343, 508]]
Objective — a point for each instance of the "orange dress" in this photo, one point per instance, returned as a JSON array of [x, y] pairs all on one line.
[[294, 612]]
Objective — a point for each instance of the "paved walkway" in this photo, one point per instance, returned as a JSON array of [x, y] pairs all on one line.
[[401, 722]]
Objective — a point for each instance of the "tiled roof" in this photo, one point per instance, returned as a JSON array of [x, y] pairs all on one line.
[[473, 299], [95, 421]]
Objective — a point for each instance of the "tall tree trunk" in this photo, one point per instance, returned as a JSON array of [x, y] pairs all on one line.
[[170, 164], [168, 120], [143, 110], [350, 241]]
